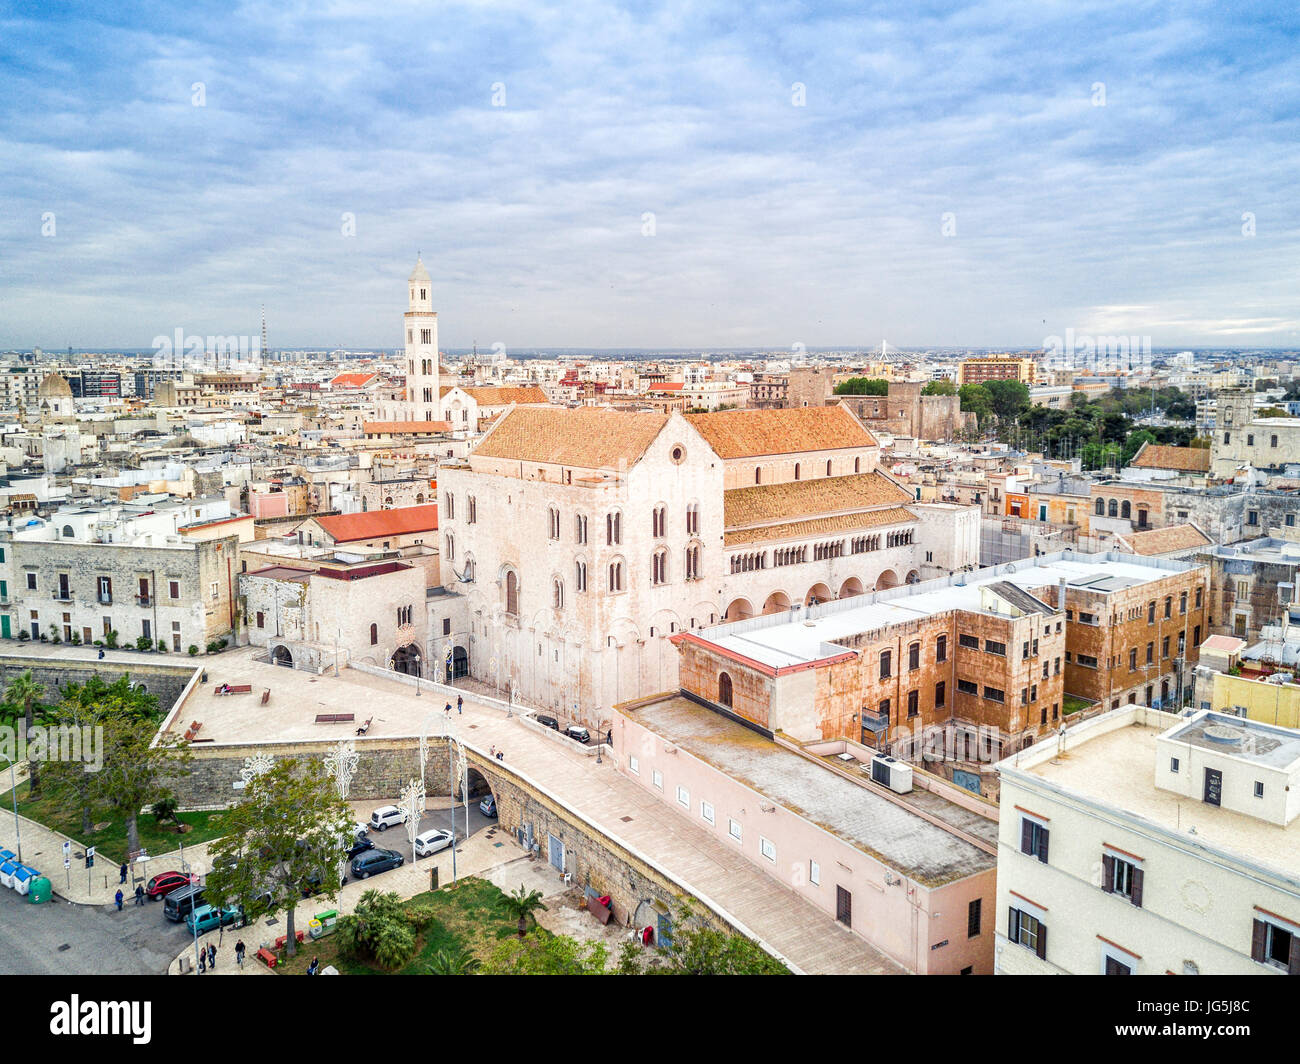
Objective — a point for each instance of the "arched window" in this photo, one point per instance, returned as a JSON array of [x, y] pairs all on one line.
[[828, 467], [419, 499], [616, 576], [658, 522], [914, 656], [557, 594], [724, 690], [1101, 507], [857, 465], [614, 529], [796, 471], [1125, 509], [1113, 508], [374, 635], [659, 567], [512, 593], [886, 664], [67, 531], [580, 575], [693, 562], [451, 547], [693, 519], [758, 475]]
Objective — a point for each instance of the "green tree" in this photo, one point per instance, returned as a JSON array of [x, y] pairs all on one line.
[[939, 388], [1009, 399], [164, 810], [521, 905], [862, 386], [135, 768], [285, 837], [378, 930], [700, 950], [1134, 444], [23, 697], [975, 399]]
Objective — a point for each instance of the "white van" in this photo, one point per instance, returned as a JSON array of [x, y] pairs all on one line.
[[386, 816]]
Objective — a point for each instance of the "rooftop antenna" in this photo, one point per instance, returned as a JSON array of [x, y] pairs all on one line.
[[263, 330]]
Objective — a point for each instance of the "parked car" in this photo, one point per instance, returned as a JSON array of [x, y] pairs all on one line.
[[208, 918], [180, 903], [488, 807], [432, 841], [372, 862], [548, 722], [360, 845], [385, 817], [577, 734], [165, 882]]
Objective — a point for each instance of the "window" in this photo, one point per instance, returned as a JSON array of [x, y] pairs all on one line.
[[1033, 838], [767, 848], [472, 516], [683, 797], [658, 521], [1132, 659], [261, 619], [1259, 789], [1276, 946], [553, 523], [913, 703], [814, 873], [1086, 660], [557, 594], [706, 812], [1027, 931], [31, 581], [174, 589], [733, 829], [657, 778], [693, 519], [616, 576], [450, 506], [941, 648], [796, 471], [1087, 618], [1151, 653], [939, 695], [214, 590], [1115, 966], [914, 656], [973, 913], [1100, 508], [580, 575], [883, 710], [993, 694], [1126, 509], [446, 626], [968, 688], [1112, 508], [634, 764], [886, 660], [613, 529], [1123, 877], [969, 641], [724, 690], [659, 567], [1169, 605], [374, 634], [992, 646]]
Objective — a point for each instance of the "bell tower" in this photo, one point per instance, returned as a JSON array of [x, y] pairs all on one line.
[[421, 324]]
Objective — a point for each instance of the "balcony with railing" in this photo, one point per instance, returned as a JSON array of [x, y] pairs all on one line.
[[62, 595]]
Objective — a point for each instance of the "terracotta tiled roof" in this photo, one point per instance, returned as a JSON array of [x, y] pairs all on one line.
[[666, 386], [499, 396], [352, 380], [1165, 540], [588, 438], [742, 433], [392, 428], [804, 499], [1226, 643], [1183, 459], [895, 515], [351, 528]]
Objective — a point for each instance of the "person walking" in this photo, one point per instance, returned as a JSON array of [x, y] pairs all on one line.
[[101, 653], [203, 961], [117, 900], [122, 873], [239, 954], [212, 956], [139, 894], [460, 702], [447, 709]]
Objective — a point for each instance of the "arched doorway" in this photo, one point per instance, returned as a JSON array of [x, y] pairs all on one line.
[[459, 663], [512, 593], [738, 610], [281, 656], [407, 660], [913, 577], [852, 586], [888, 578], [817, 593], [724, 690], [777, 602], [478, 784], [1164, 694]]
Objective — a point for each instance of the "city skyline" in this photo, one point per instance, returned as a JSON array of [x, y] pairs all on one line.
[[589, 178]]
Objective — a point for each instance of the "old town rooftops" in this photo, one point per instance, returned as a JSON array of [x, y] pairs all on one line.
[[353, 528], [775, 642], [752, 433], [587, 437], [820, 496]]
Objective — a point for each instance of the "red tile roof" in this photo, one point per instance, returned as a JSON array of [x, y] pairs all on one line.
[[352, 380], [350, 528], [400, 428]]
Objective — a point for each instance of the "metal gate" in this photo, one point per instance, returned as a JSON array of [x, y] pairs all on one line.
[[664, 936], [555, 849], [843, 906]]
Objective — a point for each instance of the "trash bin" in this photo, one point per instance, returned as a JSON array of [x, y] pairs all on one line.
[[39, 891], [7, 869], [433, 878], [23, 877], [325, 923]]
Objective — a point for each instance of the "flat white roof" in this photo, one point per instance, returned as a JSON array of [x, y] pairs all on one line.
[[802, 635]]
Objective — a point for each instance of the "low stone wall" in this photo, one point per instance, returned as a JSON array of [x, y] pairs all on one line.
[[163, 678]]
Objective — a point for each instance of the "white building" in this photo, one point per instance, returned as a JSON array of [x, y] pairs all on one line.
[[1143, 843]]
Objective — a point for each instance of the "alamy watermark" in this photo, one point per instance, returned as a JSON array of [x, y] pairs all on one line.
[[190, 351], [1101, 353], [64, 743]]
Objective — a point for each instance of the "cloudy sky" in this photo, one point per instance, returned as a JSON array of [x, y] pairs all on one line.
[[646, 175]]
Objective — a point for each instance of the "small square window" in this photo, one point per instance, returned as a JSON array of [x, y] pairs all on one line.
[[634, 765], [733, 829], [1259, 789], [658, 779], [706, 812], [814, 873], [683, 797], [767, 848], [1173, 765]]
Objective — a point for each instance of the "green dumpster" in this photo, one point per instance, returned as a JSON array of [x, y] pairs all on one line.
[[39, 891], [324, 923]]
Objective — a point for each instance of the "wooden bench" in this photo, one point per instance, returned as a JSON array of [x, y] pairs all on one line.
[[267, 957], [266, 696], [234, 689], [335, 718], [365, 727], [192, 730], [280, 942]]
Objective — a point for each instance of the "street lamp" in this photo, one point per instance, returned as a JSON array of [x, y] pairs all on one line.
[[412, 806], [341, 765]]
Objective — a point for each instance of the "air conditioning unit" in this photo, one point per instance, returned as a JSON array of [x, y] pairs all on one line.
[[892, 773]]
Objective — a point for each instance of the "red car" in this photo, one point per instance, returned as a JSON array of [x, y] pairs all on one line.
[[163, 884]]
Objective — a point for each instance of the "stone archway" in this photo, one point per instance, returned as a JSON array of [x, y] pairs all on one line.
[[777, 602], [281, 655], [913, 577], [887, 579], [852, 586], [739, 609], [817, 593], [407, 660]]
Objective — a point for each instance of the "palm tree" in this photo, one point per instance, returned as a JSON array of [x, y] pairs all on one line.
[[25, 693], [521, 905], [461, 963]]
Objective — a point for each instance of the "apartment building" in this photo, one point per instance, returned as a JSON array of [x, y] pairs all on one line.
[[1144, 843], [996, 368]]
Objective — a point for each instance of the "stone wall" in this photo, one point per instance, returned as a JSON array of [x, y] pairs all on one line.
[[167, 681]]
